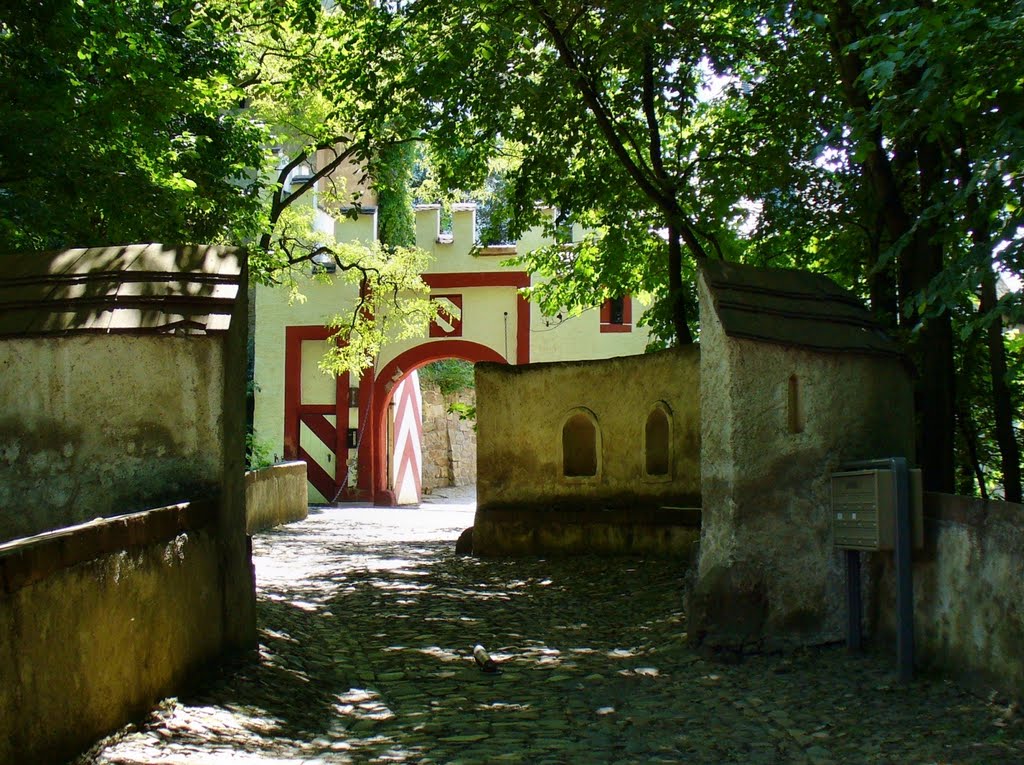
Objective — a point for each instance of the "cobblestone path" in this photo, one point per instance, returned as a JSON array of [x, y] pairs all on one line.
[[367, 620]]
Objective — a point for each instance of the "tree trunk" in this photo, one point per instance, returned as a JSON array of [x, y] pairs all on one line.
[[921, 260], [932, 346], [1002, 397], [676, 290], [1002, 400], [933, 352], [882, 291], [971, 441]]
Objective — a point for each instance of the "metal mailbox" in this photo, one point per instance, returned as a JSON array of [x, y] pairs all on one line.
[[864, 509]]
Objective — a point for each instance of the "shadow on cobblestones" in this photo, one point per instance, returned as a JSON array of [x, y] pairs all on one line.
[[367, 621]]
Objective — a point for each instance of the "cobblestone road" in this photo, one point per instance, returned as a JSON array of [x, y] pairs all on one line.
[[367, 620]]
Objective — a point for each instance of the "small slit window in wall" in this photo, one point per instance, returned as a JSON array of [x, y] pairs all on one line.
[[795, 406], [581, 445], [617, 314], [658, 442]]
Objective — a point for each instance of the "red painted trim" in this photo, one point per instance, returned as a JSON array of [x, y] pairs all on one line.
[[436, 330], [315, 409], [340, 432], [321, 428], [374, 476], [308, 332], [292, 388], [414, 358], [316, 475], [627, 316], [368, 449], [477, 279], [293, 337], [522, 330], [313, 415]]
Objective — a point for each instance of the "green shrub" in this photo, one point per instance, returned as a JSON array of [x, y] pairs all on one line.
[[449, 375], [258, 454]]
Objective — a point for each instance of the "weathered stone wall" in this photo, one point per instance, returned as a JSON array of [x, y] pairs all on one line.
[[100, 622], [526, 503], [968, 593], [97, 425], [767, 573], [275, 495], [449, 443]]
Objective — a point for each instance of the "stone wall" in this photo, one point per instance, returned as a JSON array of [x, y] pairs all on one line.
[[968, 593], [768, 575], [101, 621], [449, 443], [275, 495], [97, 425], [534, 493]]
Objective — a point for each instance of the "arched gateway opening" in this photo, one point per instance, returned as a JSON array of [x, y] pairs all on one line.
[[384, 387]]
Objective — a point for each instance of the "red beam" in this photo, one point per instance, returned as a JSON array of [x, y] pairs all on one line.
[[317, 476], [516, 279], [321, 428]]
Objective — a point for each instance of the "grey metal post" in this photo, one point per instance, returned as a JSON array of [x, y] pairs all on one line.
[[853, 602], [903, 559], [904, 571]]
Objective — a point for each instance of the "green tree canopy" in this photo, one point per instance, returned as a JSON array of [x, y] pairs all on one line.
[[120, 124], [881, 143], [877, 142]]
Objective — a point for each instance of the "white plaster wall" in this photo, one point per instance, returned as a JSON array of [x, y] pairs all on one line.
[[484, 311], [580, 337], [483, 320], [453, 256], [274, 313]]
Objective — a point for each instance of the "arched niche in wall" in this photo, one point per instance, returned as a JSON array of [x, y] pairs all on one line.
[[658, 442], [581, 445]]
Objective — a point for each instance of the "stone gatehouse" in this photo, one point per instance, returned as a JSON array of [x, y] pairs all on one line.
[[792, 378]]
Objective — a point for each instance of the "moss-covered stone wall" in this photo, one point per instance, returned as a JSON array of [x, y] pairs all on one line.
[[968, 593], [97, 425]]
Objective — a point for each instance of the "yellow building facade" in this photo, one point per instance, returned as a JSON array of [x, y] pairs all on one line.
[[344, 428]]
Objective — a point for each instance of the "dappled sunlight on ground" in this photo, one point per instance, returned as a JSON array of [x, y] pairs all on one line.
[[367, 621]]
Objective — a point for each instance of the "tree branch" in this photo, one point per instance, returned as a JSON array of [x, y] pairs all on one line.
[[653, 128], [663, 196]]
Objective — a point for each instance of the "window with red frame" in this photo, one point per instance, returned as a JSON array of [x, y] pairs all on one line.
[[617, 314]]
